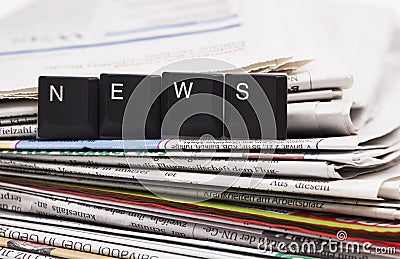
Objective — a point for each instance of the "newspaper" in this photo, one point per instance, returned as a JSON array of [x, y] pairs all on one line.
[[129, 236], [173, 36], [18, 108], [208, 191], [227, 236], [321, 95], [357, 106], [7, 253], [376, 209], [85, 245], [173, 30], [46, 251], [117, 165], [120, 248], [366, 140], [206, 252], [18, 131], [355, 158], [321, 119], [307, 81], [380, 210], [373, 135], [18, 120], [74, 252], [133, 220], [283, 201], [285, 240], [156, 217], [382, 184], [19, 94], [199, 248], [311, 169], [230, 215], [289, 66], [120, 232]]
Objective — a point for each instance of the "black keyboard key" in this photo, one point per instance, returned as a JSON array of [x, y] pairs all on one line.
[[258, 107], [143, 113], [191, 105], [68, 107]]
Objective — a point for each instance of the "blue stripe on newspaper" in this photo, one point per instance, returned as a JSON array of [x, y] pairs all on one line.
[[172, 25], [119, 42]]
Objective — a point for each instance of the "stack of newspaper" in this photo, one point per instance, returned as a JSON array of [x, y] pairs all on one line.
[[18, 117], [331, 190], [203, 198]]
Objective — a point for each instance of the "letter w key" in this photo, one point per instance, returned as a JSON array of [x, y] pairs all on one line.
[[191, 105]]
